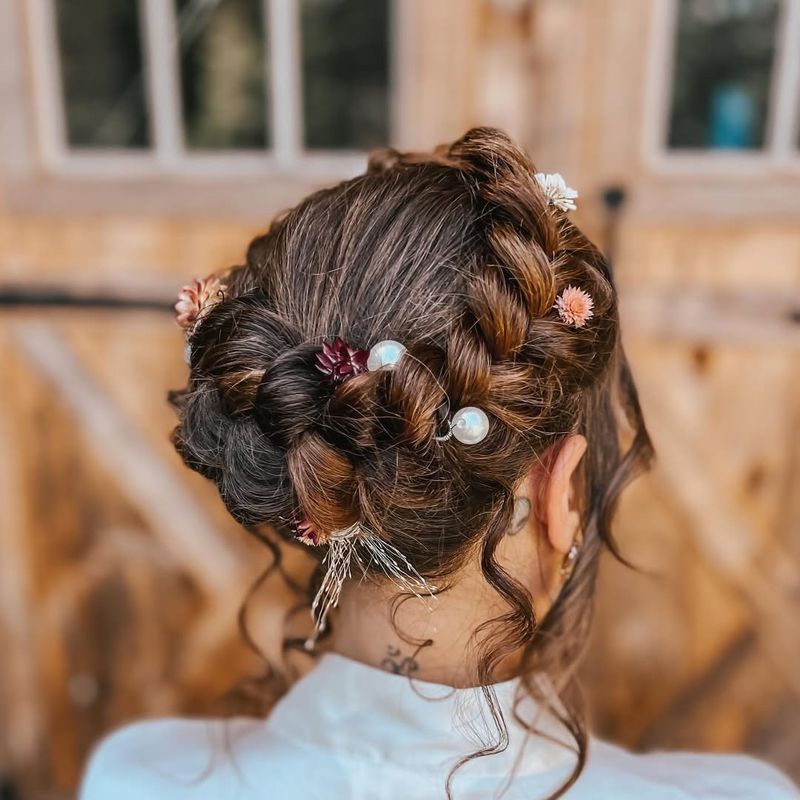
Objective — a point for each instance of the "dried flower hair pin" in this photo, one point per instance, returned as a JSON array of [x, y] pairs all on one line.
[[556, 191], [574, 306], [194, 300], [353, 549]]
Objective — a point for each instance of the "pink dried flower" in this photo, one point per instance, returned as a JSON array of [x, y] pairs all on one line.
[[195, 298], [306, 532], [339, 361], [574, 306]]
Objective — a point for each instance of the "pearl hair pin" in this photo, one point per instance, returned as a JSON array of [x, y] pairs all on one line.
[[384, 354], [339, 361], [470, 425]]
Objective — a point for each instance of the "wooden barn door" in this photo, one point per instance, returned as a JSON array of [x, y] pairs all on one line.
[[703, 652]]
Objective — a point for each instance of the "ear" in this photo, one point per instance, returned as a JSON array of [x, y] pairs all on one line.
[[562, 521]]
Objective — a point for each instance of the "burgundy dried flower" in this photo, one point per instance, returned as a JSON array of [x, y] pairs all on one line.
[[305, 532], [194, 298], [339, 361], [574, 306]]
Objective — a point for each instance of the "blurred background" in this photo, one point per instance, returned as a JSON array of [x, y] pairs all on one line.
[[143, 142]]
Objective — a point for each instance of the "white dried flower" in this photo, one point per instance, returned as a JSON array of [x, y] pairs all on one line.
[[556, 191]]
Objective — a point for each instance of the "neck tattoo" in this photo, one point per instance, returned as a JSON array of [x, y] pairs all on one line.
[[397, 663]]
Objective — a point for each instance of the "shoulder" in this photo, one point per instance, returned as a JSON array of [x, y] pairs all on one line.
[[686, 775], [177, 759]]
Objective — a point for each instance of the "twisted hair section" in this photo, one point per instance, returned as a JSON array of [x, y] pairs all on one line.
[[458, 255]]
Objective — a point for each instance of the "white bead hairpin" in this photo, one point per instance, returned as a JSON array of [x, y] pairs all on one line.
[[384, 354], [470, 425]]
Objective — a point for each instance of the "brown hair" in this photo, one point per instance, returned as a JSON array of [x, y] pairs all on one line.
[[457, 255]]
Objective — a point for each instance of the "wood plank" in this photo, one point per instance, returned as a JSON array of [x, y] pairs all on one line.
[[153, 489]]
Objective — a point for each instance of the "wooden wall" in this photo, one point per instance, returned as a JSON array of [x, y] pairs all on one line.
[[703, 653]]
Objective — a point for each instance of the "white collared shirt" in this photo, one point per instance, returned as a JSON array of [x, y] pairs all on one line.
[[348, 731]]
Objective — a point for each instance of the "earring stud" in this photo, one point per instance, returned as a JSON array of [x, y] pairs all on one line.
[[569, 560]]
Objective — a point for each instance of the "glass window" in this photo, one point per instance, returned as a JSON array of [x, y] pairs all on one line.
[[723, 63], [103, 88], [223, 73], [345, 61]]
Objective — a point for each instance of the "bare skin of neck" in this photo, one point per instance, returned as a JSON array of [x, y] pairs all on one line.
[[532, 551]]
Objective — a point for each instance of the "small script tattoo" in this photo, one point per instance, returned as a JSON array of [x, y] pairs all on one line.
[[397, 663], [522, 511]]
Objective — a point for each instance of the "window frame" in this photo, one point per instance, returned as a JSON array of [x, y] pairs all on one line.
[[167, 155], [781, 153]]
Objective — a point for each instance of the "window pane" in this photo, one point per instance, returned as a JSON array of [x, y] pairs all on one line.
[[345, 56], [100, 48], [723, 63], [223, 73]]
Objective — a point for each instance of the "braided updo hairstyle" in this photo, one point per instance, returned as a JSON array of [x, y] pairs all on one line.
[[457, 255]]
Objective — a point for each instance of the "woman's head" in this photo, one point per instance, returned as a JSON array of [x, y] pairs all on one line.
[[458, 255]]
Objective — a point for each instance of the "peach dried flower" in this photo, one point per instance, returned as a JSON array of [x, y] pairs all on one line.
[[195, 298], [574, 306]]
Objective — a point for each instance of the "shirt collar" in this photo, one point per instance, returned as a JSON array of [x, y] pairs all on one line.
[[346, 707]]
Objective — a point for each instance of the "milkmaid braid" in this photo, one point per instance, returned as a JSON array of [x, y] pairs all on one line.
[[467, 257]]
